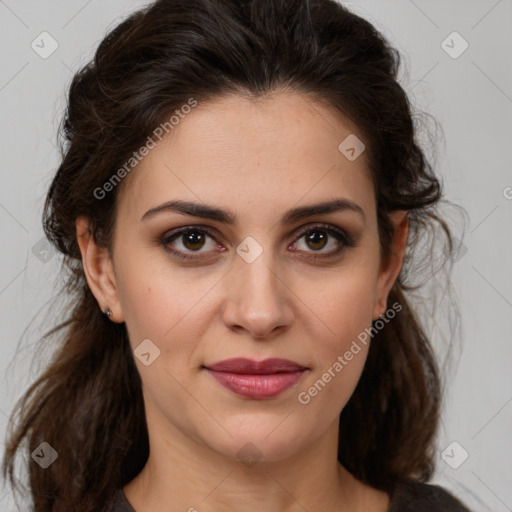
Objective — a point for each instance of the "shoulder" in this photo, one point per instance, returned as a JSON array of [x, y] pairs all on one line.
[[118, 503], [420, 497]]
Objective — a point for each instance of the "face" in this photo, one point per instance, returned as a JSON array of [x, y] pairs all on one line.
[[260, 275]]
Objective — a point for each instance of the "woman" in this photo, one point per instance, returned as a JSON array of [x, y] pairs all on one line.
[[238, 195]]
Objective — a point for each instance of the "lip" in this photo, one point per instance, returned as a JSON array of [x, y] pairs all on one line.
[[257, 379], [249, 366]]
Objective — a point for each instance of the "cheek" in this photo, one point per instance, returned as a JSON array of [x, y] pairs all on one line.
[[161, 302], [343, 303], [342, 320]]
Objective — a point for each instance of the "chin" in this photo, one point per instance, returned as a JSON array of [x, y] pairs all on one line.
[[259, 442]]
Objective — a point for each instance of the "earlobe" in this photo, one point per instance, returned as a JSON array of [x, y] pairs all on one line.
[[389, 273], [98, 270]]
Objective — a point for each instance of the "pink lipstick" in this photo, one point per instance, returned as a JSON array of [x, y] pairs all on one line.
[[256, 379]]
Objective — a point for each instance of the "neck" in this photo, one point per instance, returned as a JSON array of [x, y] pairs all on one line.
[[183, 474]]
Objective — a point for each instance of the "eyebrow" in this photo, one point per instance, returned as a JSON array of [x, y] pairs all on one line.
[[225, 216]]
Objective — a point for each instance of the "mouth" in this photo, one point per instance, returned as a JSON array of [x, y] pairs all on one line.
[[256, 379]]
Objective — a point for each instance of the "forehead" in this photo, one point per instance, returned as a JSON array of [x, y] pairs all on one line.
[[280, 149]]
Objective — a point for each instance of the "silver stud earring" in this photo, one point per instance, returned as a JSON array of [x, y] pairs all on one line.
[[108, 312]]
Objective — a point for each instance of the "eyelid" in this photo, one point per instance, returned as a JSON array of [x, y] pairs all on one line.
[[347, 239], [177, 232], [344, 238]]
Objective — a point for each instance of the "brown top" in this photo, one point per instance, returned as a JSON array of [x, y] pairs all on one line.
[[418, 497], [411, 497]]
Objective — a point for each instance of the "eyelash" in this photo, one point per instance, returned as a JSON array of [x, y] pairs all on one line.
[[343, 238]]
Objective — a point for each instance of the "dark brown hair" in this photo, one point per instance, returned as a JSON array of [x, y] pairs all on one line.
[[88, 403]]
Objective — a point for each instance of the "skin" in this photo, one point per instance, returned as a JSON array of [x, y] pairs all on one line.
[[258, 159]]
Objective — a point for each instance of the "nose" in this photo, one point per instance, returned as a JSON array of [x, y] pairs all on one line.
[[257, 298]]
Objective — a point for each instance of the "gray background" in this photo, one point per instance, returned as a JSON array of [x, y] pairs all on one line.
[[470, 96]]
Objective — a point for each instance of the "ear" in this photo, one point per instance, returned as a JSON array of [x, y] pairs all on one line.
[[390, 269], [98, 270]]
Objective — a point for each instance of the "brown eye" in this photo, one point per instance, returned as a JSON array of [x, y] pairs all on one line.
[[184, 242], [193, 240], [316, 240]]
